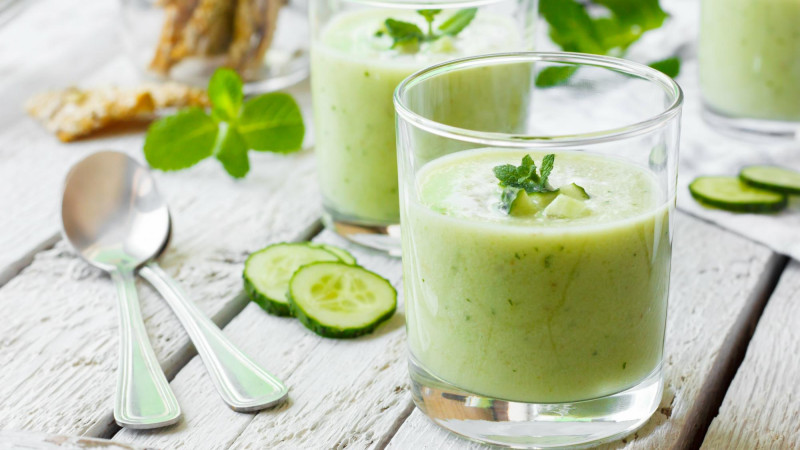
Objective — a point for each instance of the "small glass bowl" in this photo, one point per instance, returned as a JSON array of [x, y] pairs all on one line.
[[265, 41]]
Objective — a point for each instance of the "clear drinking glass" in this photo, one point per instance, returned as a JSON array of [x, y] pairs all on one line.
[[750, 65], [355, 67], [540, 325], [265, 41]]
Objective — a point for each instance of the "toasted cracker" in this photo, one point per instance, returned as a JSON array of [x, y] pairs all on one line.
[[73, 113]]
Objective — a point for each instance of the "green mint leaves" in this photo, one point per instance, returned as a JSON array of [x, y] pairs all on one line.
[[404, 34], [525, 176], [458, 21], [515, 179], [269, 122], [408, 36], [611, 33]]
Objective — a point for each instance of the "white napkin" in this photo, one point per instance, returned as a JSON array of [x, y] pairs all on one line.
[[706, 151]]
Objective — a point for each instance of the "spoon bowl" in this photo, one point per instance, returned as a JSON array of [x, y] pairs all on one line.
[[115, 219], [112, 213]]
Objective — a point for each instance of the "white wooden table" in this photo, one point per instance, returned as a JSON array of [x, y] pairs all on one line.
[[725, 386]]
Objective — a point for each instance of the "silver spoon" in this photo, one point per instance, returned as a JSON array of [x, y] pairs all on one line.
[[113, 217], [242, 383]]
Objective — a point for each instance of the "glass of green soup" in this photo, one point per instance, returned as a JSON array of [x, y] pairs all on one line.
[[536, 240], [749, 58], [360, 51]]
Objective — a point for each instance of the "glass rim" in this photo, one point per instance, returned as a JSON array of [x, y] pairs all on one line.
[[669, 86], [423, 4]]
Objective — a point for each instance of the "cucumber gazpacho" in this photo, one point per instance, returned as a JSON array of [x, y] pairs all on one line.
[[549, 287], [356, 65]]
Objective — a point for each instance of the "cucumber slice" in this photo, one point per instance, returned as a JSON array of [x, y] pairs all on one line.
[[772, 178], [732, 194], [566, 207], [337, 300], [267, 273], [574, 191], [343, 255], [529, 204]]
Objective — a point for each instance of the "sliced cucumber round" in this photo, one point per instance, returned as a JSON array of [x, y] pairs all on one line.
[[343, 255], [772, 178], [732, 194], [267, 273], [338, 300]]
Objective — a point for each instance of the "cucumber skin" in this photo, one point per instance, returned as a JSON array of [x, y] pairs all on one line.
[[767, 186], [336, 332], [343, 255], [738, 207], [269, 305]]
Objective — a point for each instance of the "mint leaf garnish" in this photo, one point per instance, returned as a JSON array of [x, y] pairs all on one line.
[[515, 179], [525, 175], [225, 93], [507, 198], [670, 66], [408, 36], [547, 167], [458, 21], [272, 122], [181, 140], [403, 33], [428, 14], [269, 122], [231, 151], [609, 32]]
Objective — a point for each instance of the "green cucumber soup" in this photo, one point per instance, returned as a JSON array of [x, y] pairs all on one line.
[[536, 308], [354, 73], [750, 58]]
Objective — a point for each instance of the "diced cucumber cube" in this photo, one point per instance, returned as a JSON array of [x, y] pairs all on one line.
[[529, 204], [574, 191], [566, 207]]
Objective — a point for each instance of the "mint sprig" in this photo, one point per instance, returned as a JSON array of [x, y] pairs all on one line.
[[525, 175], [516, 179], [621, 23], [408, 36], [269, 122]]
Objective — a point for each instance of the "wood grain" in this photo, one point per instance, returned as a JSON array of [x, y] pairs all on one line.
[[19, 440], [343, 393], [762, 407], [713, 274], [29, 59], [58, 345]]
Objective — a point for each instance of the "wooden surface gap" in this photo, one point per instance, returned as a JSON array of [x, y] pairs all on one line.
[[397, 424], [15, 267], [731, 353]]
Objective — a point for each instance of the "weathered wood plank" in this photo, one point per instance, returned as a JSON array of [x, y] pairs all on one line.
[[33, 56], [713, 276], [30, 62], [342, 392], [58, 345], [761, 409], [18, 440]]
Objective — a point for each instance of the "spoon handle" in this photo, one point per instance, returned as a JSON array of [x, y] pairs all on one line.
[[242, 383], [144, 399]]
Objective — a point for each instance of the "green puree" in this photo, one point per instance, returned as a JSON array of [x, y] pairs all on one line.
[[354, 76], [536, 309], [750, 58]]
